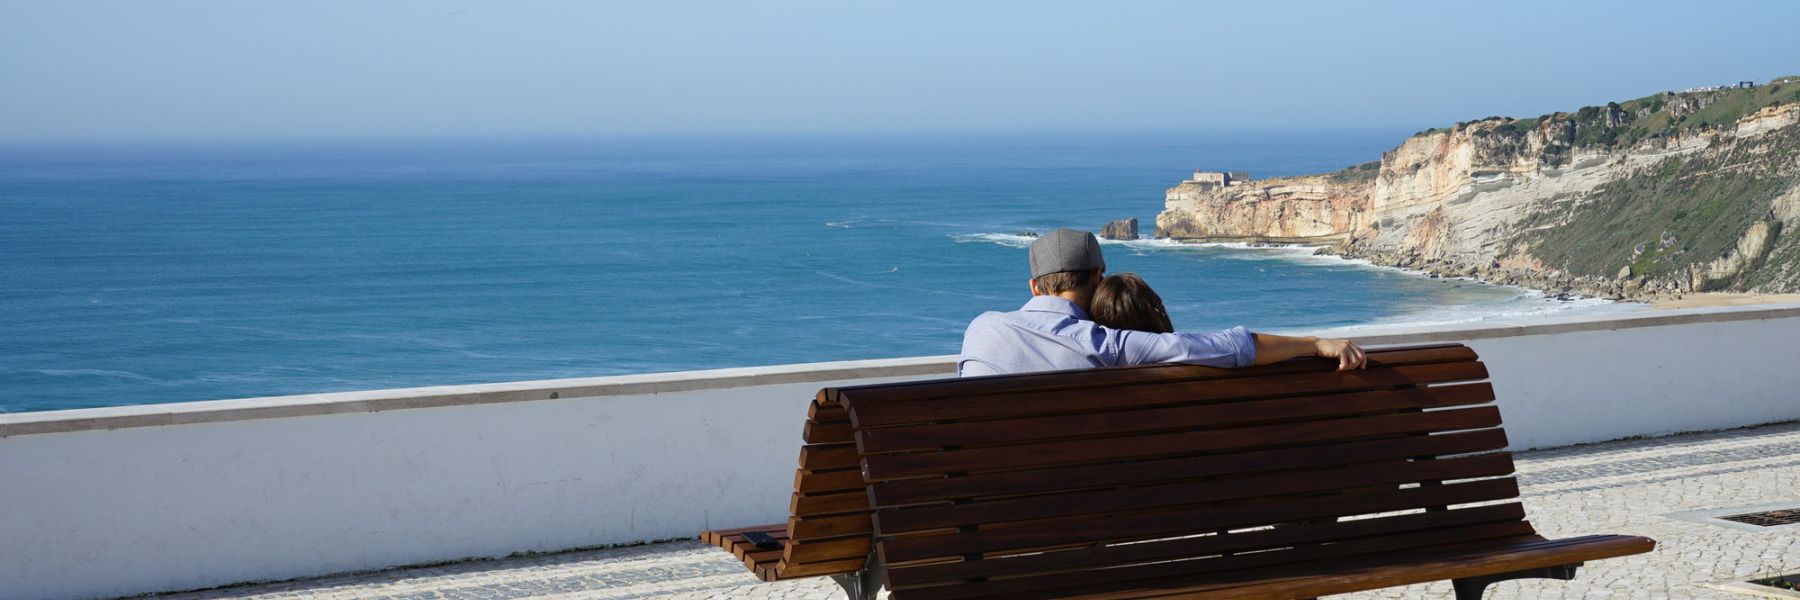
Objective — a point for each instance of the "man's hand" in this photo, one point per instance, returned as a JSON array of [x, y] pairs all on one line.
[[1271, 349], [1349, 356]]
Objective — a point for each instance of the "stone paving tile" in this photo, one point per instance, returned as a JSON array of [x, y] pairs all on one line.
[[1617, 487]]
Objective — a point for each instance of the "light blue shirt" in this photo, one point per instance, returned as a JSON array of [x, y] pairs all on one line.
[[1051, 334]]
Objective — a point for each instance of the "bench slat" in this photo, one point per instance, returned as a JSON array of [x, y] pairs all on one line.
[[753, 556], [717, 537], [815, 482], [1085, 557], [1120, 376], [1210, 414], [914, 491], [1189, 495], [807, 505], [740, 546], [823, 433], [826, 412], [775, 530], [795, 571], [856, 546], [1103, 529], [897, 466], [867, 415], [821, 527], [815, 457]]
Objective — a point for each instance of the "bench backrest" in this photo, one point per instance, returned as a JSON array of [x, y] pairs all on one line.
[[1016, 486], [829, 529]]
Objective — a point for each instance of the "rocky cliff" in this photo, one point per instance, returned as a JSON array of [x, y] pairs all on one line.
[[1671, 193], [1291, 209], [1122, 229]]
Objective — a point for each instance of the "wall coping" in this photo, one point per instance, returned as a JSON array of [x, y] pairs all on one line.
[[244, 409]]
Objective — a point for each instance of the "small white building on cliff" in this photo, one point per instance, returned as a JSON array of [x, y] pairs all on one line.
[[1212, 179]]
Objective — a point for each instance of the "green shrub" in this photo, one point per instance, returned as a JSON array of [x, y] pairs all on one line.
[[1705, 202]]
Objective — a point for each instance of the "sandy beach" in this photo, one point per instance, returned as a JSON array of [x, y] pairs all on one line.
[[1716, 299]]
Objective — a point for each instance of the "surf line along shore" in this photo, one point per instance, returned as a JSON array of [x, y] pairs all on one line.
[[1125, 230], [1552, 286], [1555, 288], [1323, 252]]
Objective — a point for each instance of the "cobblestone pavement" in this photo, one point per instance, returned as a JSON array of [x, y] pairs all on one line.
[[1618, 487]]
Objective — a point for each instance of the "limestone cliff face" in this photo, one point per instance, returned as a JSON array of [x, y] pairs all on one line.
[[1653, 196], [1277, 210], [1752, 247], [1425, 169]]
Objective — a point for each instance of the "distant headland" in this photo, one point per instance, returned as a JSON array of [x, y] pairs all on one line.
[[1647, 199]]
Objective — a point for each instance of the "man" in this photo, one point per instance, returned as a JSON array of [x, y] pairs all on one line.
[[1053, 331]]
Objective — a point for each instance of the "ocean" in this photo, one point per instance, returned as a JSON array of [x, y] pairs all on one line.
[[136, 273]]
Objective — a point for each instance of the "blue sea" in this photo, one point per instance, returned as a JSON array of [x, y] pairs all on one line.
[[138, 273]]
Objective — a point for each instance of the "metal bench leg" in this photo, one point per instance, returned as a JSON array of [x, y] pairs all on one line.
[[857, 585], [1470, 588], [863, 584]]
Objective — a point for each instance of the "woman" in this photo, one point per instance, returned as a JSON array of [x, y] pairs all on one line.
[[1124, 301]]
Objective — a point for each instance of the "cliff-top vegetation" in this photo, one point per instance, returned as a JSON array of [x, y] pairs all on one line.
[[1625, 124], [1357, 173]]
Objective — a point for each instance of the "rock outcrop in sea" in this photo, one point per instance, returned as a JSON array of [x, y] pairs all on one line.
[[1122, 229], [1645, 199]]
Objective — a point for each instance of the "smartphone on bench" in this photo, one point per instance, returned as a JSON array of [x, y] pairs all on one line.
[[761, 540]]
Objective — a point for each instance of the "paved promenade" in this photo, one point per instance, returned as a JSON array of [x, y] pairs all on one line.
[[1628, 487]]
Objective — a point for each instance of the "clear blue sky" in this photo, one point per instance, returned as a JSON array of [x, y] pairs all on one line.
[[236, 68]]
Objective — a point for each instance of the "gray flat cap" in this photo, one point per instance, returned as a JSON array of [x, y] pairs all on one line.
[[1065, 250]]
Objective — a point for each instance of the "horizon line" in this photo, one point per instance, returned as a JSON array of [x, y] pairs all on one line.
[[1406, 129]]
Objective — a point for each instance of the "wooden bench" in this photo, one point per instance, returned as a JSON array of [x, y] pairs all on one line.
[[1286, 481]]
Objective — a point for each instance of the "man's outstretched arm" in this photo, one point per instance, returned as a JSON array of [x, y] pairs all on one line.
[[1271, 348]]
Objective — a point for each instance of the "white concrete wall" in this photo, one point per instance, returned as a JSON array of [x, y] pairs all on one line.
[[101, 513], [109, 502], [1592, 384]]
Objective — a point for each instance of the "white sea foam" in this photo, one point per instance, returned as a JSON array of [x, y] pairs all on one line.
[[1005, 239], [95, 373], [1529, 305], [1283, 252], [1523, 305]]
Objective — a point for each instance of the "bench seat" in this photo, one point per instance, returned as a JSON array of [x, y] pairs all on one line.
[[760, 561]]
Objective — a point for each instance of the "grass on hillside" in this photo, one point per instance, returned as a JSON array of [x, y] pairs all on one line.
[[1681, 212], [1355, 173], [1730, 105]]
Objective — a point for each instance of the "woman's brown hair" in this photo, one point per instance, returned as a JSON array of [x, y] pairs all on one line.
[[1124, 301]]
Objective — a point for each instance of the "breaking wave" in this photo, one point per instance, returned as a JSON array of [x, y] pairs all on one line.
[[1520, 304]]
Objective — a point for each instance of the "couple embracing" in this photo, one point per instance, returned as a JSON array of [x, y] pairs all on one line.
[[1078, 317]]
